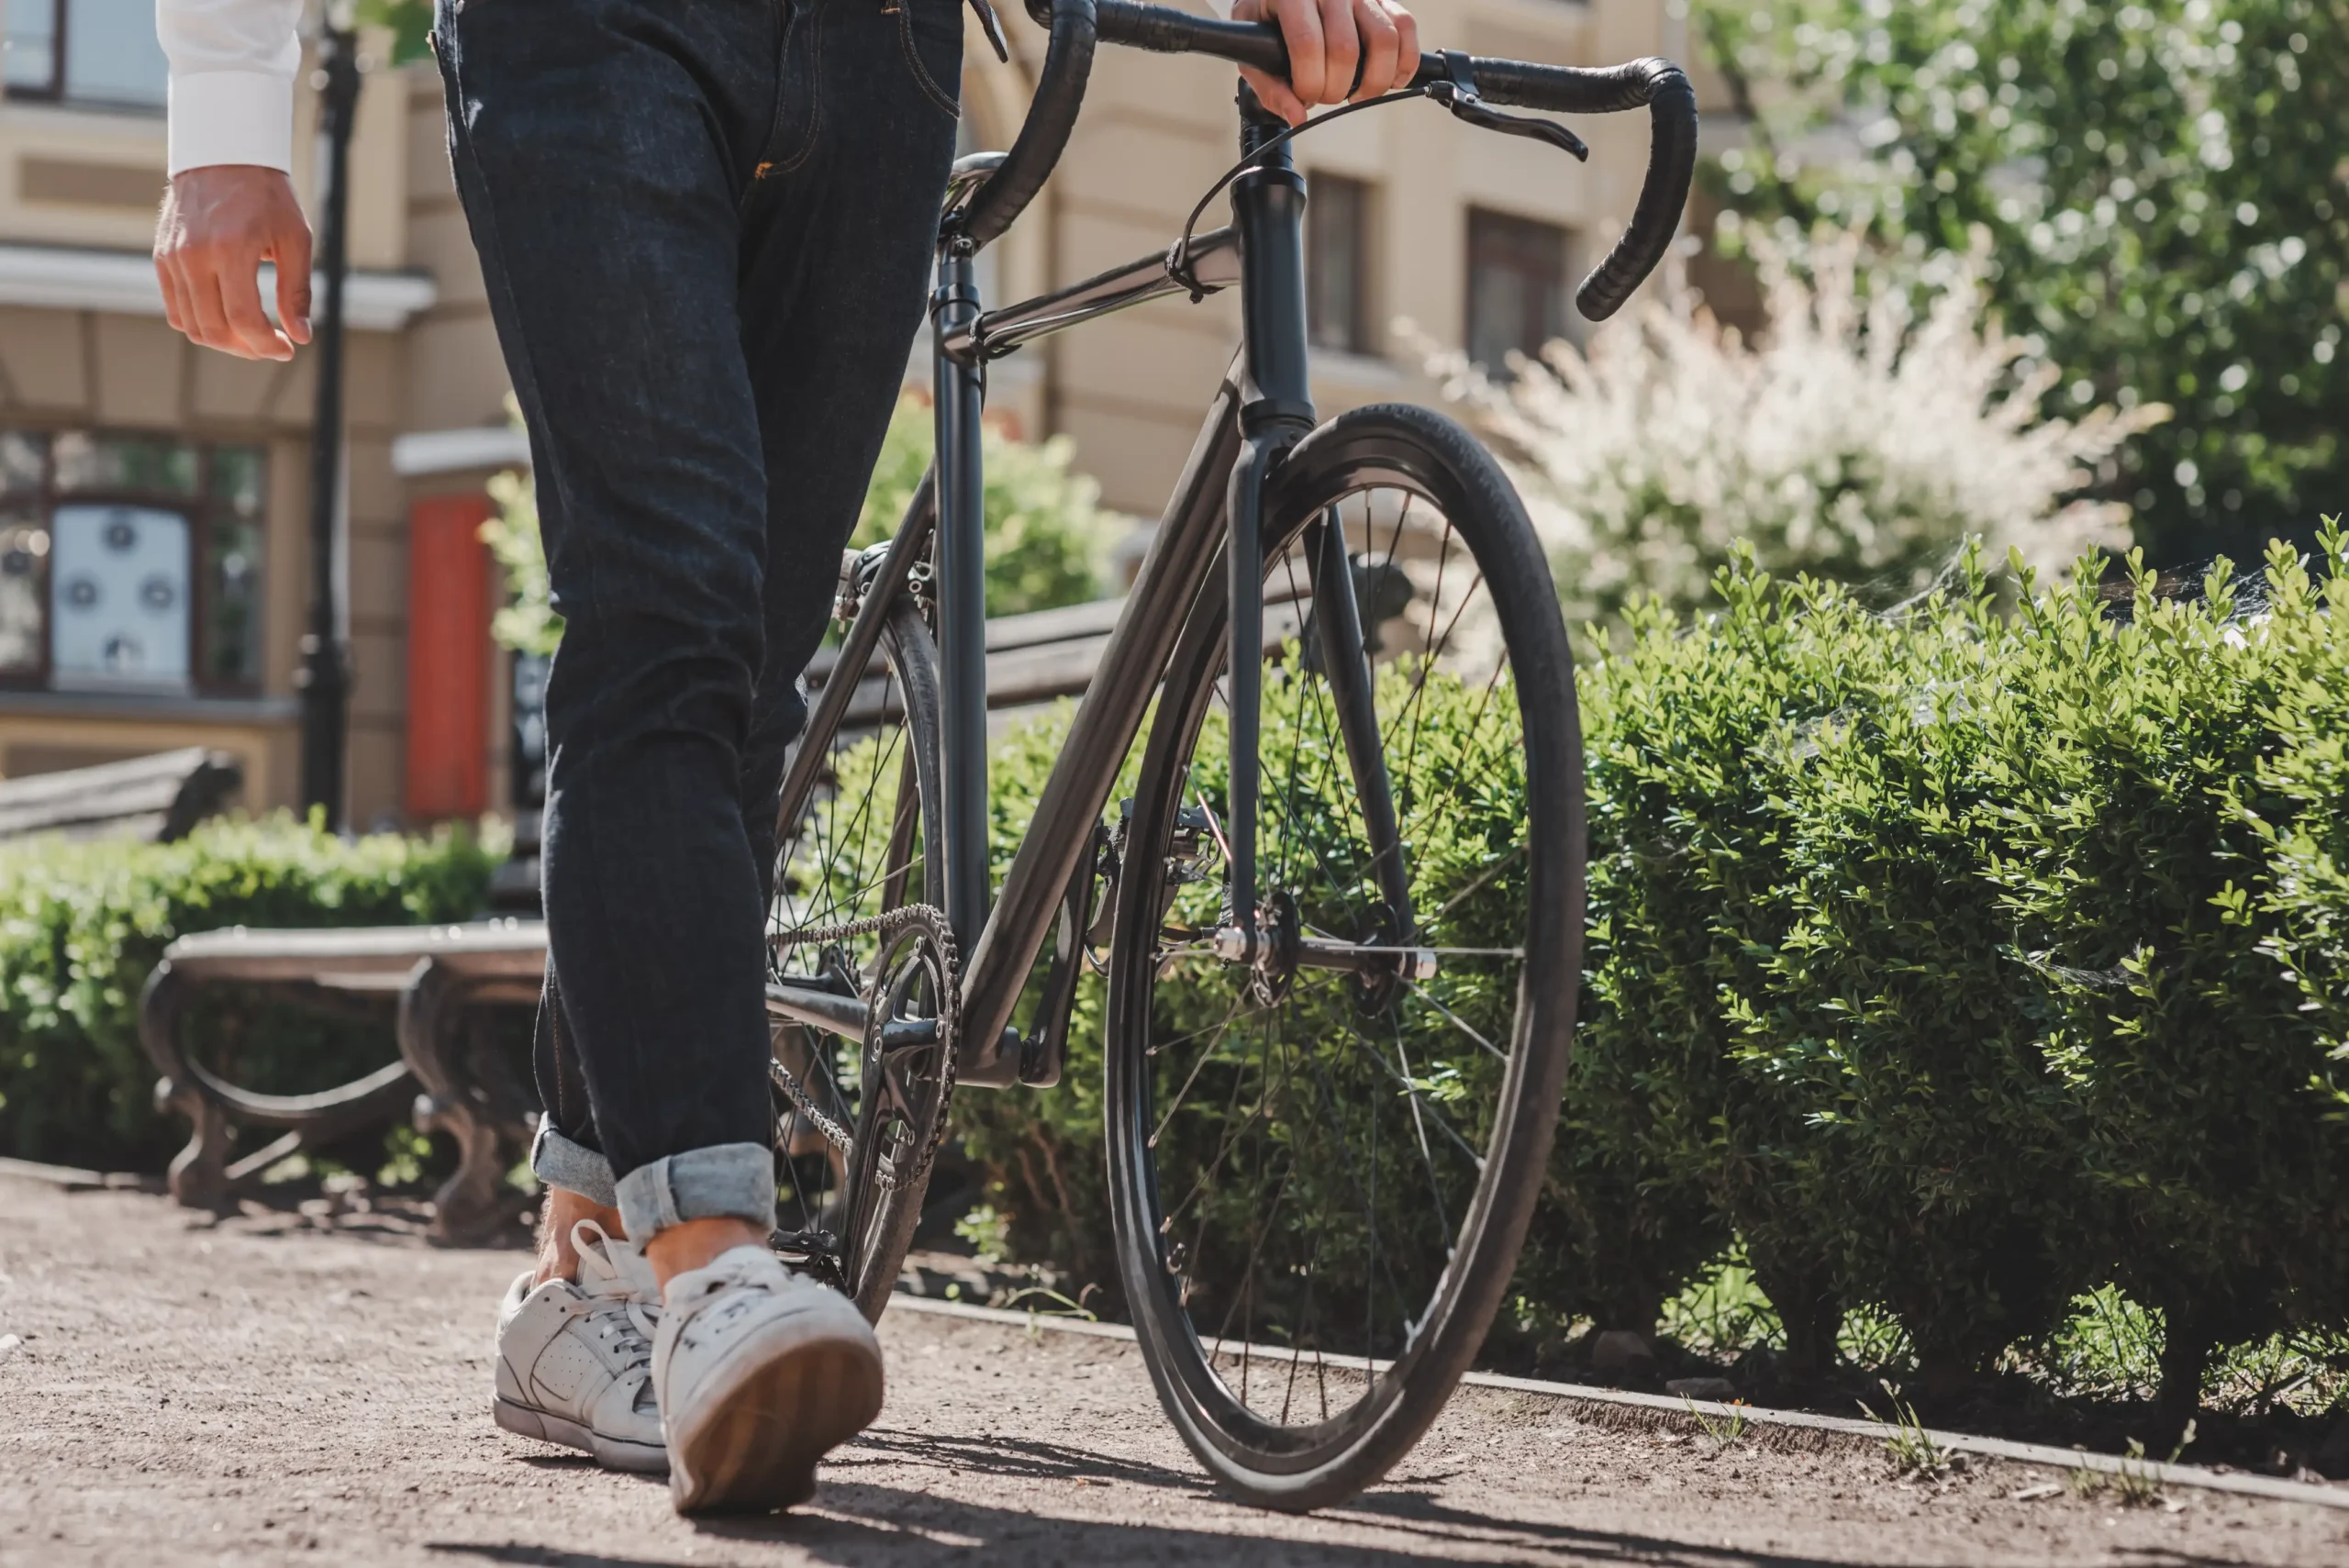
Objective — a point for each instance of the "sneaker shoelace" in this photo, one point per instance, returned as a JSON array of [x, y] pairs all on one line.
[[609, 1300]]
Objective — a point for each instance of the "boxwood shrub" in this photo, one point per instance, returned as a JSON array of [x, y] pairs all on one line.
[[82, 925], [1957, 960]]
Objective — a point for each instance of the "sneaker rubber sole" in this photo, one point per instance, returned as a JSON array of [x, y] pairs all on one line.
[[612, 1453], [770, 1414]]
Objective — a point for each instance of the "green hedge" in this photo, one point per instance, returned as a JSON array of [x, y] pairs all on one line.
[[1958, 961], [81, 925], [1954, 964]]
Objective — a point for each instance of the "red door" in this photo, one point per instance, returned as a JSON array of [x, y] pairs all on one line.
[[448, 657]]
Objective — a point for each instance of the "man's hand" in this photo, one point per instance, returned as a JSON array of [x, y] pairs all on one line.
[[1326, 38], [219, 225]]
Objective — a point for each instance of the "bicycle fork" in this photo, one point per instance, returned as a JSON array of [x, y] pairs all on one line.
[[1275, 413]]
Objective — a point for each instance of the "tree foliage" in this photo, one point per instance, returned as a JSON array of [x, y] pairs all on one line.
[[2165, 191]]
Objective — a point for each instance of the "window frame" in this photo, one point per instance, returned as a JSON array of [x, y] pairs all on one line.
[[1361, 336], [203, 510], [54, 93], [1481, 241], [62, 23]]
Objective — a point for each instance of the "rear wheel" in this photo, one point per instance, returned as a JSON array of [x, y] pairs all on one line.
[[856, 1120], [1323, 1157]]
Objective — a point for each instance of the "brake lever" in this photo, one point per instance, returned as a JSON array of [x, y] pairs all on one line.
[[1459, 95]]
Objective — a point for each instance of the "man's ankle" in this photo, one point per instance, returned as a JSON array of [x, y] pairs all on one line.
[[696, 1243], [558, 1259]]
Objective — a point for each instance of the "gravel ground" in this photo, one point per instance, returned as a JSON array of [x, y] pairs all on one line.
[[281, 1387]]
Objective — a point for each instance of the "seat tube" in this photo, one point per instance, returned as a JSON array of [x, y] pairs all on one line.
[[961, 600], [1276, 412]]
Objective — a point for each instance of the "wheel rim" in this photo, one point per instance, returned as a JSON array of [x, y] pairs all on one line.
[[1351, 1084]]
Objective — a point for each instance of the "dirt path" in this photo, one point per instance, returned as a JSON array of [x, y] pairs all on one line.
[[264, 1390]]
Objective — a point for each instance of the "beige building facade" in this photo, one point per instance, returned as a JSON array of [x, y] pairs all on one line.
[[154, 497]]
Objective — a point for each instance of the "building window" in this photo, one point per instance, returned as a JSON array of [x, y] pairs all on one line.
[[100, 52], [1517, 286], [1337, 261], [129, 563]]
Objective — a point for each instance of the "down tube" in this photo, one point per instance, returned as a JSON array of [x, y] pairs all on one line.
[[1180, 558]]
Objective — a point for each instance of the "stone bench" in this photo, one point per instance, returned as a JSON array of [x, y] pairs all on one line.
[[435, 975]]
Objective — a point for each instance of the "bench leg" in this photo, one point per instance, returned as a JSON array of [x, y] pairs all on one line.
[[199, 1177], [434, 1025]]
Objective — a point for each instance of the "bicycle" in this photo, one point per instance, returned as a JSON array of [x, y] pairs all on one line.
[[1338, 1010]]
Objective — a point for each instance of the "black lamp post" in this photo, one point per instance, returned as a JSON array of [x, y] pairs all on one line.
[[324, 679]]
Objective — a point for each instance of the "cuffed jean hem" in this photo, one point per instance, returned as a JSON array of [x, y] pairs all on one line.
[[560, 1163], [729, 1181]]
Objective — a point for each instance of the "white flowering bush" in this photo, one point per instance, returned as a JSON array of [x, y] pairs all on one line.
[[1878, 422]]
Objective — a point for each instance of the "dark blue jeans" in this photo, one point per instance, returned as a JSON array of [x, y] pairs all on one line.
[[705, 227]]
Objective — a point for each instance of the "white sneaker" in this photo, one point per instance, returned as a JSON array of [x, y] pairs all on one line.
[[575, 1361], [761, 1372]]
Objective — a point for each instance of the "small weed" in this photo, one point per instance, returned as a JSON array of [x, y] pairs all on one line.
[[1912, 1448], [1723, 1430], [2136, 1485], [1061, 1307], [2139, 1483]]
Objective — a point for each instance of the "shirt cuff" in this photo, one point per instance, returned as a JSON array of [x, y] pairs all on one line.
[[231, 116]]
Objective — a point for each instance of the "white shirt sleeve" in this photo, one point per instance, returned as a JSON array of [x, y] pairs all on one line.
[[233, 64]]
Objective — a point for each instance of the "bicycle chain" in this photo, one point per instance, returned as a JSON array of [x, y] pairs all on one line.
[[887, 926]]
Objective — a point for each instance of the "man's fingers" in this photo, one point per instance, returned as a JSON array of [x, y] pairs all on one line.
[[292, 253], [1276, 96], [208, 322], [167, 279], [211, 289], [1337, 49], [1379, 43], [1340, 52], [241, 295], [1406, 44], [1308, 58]]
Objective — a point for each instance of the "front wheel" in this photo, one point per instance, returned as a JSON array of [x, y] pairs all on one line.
[[1324, 1152]]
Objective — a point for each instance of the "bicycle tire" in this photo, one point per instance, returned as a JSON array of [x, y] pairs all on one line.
[[1164, 1266], [826, 873]]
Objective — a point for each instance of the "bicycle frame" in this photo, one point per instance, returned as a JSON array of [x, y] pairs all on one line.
[[1264, 407]]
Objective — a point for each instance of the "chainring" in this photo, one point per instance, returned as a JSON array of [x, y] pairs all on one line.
[[927, 924]]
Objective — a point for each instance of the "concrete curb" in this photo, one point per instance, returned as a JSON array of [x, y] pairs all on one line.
[[75, 1181], [2274, 1488]]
